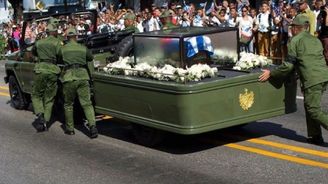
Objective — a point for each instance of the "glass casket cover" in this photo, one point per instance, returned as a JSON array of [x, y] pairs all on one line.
[[183, 47]]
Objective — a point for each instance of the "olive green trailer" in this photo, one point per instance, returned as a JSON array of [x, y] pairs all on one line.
[[230, 99]]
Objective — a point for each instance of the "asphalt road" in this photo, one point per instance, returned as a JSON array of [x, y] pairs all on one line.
[[268, 151]]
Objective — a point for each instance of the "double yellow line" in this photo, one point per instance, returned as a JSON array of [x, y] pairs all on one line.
[[4, 91], [290, 158]]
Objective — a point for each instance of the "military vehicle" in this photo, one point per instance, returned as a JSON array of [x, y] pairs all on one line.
[[230, 98]]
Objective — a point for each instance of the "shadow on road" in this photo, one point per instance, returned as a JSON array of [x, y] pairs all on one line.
[[185, 144]]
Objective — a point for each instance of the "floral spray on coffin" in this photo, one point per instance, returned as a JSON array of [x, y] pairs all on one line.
[[125, 66], [249, 61]]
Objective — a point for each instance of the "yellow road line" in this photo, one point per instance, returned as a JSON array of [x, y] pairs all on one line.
[[4, 87], [279, 145], [4, 94], [278, 155], [289, 147]]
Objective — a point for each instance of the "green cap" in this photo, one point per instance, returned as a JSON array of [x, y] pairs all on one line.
[[51, 28], [71, 32], [300, 20], [166, 13], [53, 20], [129, 16]]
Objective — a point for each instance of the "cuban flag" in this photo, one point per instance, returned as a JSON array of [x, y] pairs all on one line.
[[198, 43]]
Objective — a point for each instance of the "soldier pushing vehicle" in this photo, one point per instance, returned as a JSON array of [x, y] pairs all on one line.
[[75, 79], [46, 76]]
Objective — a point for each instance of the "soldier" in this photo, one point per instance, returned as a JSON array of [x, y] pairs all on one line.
[[129, 19], [75, 79], [305, 55], [166, 19], [46, 76]]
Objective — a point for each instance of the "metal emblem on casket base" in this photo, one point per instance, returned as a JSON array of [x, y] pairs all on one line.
[[246, 99]]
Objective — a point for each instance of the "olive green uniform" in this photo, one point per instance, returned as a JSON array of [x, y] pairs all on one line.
[[305, 54], [46, 75], [169, 25], [132, 28], [75, 79]]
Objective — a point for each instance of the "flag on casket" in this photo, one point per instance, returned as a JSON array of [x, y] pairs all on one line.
[[198, 43]]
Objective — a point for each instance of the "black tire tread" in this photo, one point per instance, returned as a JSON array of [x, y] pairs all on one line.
[[20, 103]]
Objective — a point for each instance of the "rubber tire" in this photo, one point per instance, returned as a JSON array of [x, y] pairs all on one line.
[[125, 47], [17, 98], [147, 136]]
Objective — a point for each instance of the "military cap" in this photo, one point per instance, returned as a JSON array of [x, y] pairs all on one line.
[[71, 32], [300, 20], [53, 20], [51, 28], [166, 13], [129, 16]]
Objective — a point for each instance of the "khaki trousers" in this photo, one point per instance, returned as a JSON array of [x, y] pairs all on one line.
[[263, 43]]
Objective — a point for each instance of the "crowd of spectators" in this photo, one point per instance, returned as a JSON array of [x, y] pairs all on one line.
[[263, 31]]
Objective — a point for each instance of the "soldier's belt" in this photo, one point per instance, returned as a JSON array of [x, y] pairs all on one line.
[[74, 66]]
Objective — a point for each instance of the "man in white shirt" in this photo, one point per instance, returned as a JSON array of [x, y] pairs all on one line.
[[154, 23], [263, 22]]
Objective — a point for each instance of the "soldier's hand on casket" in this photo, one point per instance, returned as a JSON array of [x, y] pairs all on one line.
[[265, 75]]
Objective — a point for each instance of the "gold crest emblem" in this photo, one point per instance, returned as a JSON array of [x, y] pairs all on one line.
[[246, 99]]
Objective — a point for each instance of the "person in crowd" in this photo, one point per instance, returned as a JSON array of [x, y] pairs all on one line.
[[232, 20], [318, 4], [46, 76], [305, 55], [263, 25], [139, 23], [323, 31], [200, 18], [245, 25], [75, 79], [185, 20], [305, 9], [253, 14], [16, 35], [275, 43], [154, 23], [222, 21]]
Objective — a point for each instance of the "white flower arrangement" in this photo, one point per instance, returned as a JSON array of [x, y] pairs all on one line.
[[196, 72], [225, 55], [249, 61]]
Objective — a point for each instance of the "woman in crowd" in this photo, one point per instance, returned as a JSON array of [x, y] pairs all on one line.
[[245, 25]]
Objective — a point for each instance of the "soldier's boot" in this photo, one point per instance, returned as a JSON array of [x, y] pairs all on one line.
[[40, 123], [93, 132], [317, 140], [69, 132]]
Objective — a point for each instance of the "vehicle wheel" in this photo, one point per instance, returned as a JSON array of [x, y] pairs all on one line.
[[147, 136], [125, 47], [17, 99]]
